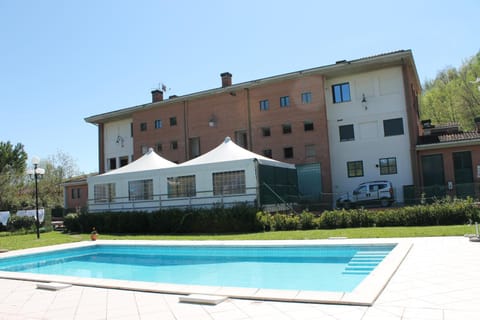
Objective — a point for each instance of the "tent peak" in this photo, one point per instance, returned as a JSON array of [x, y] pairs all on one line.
[[227, 139], [150, 150]]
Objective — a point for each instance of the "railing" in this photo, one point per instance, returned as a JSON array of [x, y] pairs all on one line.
[[417, 195], [163, 201], [202, 199]]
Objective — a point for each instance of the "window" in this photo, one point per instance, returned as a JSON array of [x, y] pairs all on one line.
[[266, 132], [158, 124], [355, 169], [140, 190], [310, 151], [284, 101], [230, 182], [388, 166], [144, 149], [346, 133], [123, 161], [159, 147], [174, 145], [286, 128], [104, 192], [143, 126], [341, 92], [288, 153], [173, 121], [267, 153], [112, 163], [393, 127], [183, 186], [308, 126], [306, 97], [76, 193], [264, 105]]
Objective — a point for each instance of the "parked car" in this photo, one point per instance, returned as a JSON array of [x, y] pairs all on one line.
[[368, 193]]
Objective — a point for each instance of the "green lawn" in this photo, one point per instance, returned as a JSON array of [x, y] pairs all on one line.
[[14, 242]]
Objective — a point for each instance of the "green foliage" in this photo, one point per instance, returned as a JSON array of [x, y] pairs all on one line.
[[20, 223], [72, 222], [18, 192], [59, 167], [442, 212], [12, 168], [216, 220], [453, 96], [12, 158], [246, 219]]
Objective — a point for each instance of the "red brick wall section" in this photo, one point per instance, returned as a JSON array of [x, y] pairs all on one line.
[[230, 110], [77, 202]]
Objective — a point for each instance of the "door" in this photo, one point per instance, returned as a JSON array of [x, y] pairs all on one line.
[[433, 176], [309, 181], [463, 172]]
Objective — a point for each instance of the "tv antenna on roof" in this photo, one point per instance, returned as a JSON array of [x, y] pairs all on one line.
[[162, 86]]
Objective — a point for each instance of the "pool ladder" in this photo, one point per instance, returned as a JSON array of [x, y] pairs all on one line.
[[363, 262]]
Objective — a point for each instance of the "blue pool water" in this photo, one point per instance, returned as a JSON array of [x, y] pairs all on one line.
[[319, 268]]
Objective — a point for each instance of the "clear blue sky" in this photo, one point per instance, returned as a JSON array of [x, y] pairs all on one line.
[[62, 61]]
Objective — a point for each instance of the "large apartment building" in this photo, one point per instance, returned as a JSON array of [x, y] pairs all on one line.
[[340, 124]]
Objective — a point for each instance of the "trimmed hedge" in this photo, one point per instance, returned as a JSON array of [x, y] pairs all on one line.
[[238, 219], [242, 219], [439, 213]]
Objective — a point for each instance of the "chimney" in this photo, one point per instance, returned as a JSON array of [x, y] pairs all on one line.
[[427, 124], [157, 95], [477, 124], [226, 79]]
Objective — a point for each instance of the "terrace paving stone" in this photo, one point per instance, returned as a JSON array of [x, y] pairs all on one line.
[[438, 279]]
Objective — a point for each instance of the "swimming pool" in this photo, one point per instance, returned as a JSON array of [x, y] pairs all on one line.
[[298, 267]]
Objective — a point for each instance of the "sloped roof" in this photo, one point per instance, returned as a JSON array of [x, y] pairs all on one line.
[[230, 151], [339, 68], [149, 161]]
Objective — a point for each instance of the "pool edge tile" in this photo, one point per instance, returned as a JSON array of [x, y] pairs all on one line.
[[364, 294]]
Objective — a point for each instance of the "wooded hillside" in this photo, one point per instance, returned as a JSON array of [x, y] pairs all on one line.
[[454, 95]]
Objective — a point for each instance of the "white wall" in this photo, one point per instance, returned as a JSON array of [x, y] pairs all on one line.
[[385, 95], [118, 141]]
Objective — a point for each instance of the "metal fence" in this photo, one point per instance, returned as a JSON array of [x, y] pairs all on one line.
[[429, 194]]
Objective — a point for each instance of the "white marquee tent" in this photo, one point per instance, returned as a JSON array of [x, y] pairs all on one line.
[[226, 175]]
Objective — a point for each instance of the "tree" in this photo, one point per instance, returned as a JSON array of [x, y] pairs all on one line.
[[12, 168], [18, 192], [50, 187], [453, 96]]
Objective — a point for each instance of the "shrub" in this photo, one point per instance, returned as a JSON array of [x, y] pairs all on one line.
[[307, 221], [215, 220], [444, 212], [17, 223], [265, 220], [285, 222], [72, 222], [247, 219]]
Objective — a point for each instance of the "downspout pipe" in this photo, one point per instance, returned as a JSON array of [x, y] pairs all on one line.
[[249, 120]]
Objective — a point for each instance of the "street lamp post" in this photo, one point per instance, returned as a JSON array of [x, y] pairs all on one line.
[[36, 173]]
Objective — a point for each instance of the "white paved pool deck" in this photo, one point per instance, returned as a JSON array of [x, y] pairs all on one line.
[[438, 279]]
